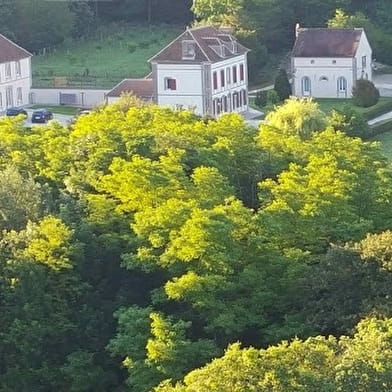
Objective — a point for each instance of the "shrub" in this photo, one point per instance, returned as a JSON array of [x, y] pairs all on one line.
[[261, 98], [144, 44], [272, 97], [381, 108], [349, 121], [131, 47], [282, 85], [365, 94]]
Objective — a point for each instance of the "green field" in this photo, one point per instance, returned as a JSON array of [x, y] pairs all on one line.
[[102, 61], [385, 140]]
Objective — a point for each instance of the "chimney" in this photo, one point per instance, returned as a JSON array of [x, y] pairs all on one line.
[[297, 28]]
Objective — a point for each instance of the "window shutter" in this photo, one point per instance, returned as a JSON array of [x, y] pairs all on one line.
[[215, 80]]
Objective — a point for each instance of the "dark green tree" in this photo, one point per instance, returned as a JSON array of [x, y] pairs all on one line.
[[282, 85], [365, 93]]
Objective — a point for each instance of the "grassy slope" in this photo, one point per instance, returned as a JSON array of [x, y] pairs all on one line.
[[116, 54], [385, 140]]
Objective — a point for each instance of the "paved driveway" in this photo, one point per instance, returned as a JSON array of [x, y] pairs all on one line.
[[61, 118]]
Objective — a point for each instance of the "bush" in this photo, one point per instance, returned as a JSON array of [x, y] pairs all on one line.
[[144, 44], [282, 85], [272, 97], [349, 121], [365, 93], [381, 108], [261, 98], [131, 47]]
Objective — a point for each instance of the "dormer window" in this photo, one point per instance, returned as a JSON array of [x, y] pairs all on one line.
[[234, 45], [188, 50]]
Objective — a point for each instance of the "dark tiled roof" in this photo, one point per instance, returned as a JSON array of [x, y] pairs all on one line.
[[207, 39], [9, 51], [142, 88], [319, 42]]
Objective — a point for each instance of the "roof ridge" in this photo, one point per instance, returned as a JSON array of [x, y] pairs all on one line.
[[170, 43], [15, 44], [198, 44], [201, 27], [332, 28]]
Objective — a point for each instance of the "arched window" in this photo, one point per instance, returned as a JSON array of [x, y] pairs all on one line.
[[305, 85], [323, 79], [342, 84]]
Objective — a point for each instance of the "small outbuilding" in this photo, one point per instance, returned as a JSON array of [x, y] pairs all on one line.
[[327, 62]]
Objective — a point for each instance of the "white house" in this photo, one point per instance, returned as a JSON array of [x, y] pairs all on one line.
[[204, 69], [15, 74], [326, 63]]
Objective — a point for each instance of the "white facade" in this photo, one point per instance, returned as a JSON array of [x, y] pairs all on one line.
[[187, 89], [15, 83], [331, 77], [231, 82], [205, 88], [205, 70]]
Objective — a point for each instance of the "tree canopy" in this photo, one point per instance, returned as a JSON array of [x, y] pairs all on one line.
[[140, 242]]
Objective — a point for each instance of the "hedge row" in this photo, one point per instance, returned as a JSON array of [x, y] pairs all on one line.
[[378, 110], [381, 127]]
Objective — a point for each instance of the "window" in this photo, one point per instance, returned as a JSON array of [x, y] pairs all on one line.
[[323, 79], [225, 107], [311, 61], [363, 61], [235, 100], [234, 74], [228, 76], [244, 97], [222, 76], [170, 84], [8, 71], [188, 50], [241, 72], [9, 99], [333, 61], [18, 69], [342, 84], [215, 80], [217, 106], [19, 96], [305, 85]]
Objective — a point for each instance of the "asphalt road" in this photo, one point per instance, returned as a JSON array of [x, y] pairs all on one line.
[[61, 118]]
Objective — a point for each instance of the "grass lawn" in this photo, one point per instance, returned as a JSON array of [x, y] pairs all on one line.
[[116, 53], [68, 110], [327, 104], [386, 143]]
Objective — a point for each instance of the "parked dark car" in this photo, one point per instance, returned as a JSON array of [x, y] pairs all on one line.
[[15, 112], [41, 116]]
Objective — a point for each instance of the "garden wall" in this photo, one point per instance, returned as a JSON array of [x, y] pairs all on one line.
[[87, 98]]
